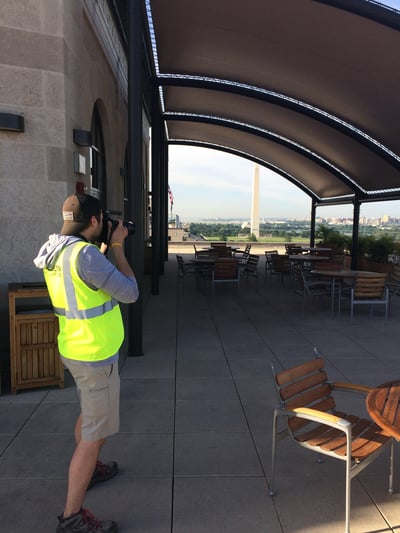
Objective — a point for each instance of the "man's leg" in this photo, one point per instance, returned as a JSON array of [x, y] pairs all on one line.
[[80, 472], [102, 407], [78, 432]]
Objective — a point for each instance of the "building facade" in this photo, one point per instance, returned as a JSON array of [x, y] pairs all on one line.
[[63, 73]]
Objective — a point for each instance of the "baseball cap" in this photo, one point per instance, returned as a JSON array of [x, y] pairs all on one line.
[[77, 211]]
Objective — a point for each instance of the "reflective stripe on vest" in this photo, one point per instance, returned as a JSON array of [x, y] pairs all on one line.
[[73, 311]]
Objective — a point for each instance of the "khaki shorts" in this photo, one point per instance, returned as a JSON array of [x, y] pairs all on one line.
[[99, 391]]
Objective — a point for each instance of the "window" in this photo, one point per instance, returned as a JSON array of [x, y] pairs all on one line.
[[98, 179]]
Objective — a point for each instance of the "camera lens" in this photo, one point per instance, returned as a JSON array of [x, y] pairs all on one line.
[[105, 237], [130, 226]]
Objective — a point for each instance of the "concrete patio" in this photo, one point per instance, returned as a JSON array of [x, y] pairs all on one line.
[[196, 418]]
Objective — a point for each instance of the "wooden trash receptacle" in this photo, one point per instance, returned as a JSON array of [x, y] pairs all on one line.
[[34, 357]]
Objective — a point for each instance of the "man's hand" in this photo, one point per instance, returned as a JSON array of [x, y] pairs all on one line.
[[119, 234]]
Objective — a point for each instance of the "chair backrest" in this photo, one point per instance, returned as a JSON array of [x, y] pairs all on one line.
[[300, 284], [292, 249], [223, 251], [251, 266], [225, 269], [268, 261], [181, 265], [268, 253], [252, 262], [304, 385], [247, 248], [369, 286], [280, 263]]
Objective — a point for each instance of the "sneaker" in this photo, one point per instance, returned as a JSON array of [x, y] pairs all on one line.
[[85, 522], [103, 472]]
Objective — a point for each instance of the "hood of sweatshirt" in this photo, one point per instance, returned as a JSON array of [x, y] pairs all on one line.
[[51, 249]]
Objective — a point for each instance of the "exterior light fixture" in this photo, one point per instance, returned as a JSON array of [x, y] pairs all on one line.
[[82, 137], [12, 122]]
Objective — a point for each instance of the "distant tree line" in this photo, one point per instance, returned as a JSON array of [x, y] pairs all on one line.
[[208, 230], [284, 230]]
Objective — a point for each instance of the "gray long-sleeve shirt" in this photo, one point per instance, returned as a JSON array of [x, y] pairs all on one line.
[[93, 268]]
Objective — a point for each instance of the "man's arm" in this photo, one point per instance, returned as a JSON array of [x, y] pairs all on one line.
[[99, 273], [120, 260], [117, 246]]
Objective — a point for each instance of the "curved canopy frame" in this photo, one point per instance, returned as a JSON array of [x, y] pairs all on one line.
[[307, 87]]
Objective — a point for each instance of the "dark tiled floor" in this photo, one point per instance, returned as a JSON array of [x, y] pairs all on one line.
[[195, 440]]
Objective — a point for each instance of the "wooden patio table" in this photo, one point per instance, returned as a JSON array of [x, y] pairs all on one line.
[[339, 274], [213, 248], [383, 405], [201, 260], [315, 249], [342, 274], [308, 258]]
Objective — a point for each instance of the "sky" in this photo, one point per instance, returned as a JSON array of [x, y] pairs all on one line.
[[208, 183], [392, 3]]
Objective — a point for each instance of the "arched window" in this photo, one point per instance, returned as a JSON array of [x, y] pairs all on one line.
[[98, 178]]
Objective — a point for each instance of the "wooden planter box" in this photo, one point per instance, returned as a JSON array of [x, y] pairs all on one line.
[[371, 266], [384, 268], [34, 357]]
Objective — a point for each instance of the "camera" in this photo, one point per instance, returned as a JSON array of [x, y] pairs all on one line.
[[105, 236]]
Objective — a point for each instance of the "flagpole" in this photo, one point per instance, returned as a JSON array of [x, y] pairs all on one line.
[[171, 199]]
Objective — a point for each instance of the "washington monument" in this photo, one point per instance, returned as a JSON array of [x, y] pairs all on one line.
[[255, 204]]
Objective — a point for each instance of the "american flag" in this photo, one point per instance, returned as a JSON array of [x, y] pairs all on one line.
[[171, 196]]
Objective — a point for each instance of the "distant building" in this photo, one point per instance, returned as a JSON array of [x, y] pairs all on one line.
[[255, 205], [177, 234]]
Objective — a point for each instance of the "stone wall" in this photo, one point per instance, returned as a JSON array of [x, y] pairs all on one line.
[[56, 62]]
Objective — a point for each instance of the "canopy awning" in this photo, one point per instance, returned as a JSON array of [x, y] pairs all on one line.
[[308, 88]]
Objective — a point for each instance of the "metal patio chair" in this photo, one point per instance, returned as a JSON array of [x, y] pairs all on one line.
[[250, 269], [310, 286], [281, 266], [225, 272], [242, 255], [268, 262], [308, 408], [293, 249], [368, 289], [184, 269]]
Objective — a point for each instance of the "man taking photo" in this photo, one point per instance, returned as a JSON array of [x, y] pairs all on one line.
[[85, 289]]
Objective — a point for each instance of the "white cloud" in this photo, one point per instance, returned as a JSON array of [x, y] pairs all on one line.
[[202, 167]]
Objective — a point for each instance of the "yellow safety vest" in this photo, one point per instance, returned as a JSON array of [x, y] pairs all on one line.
[[90, 321]]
